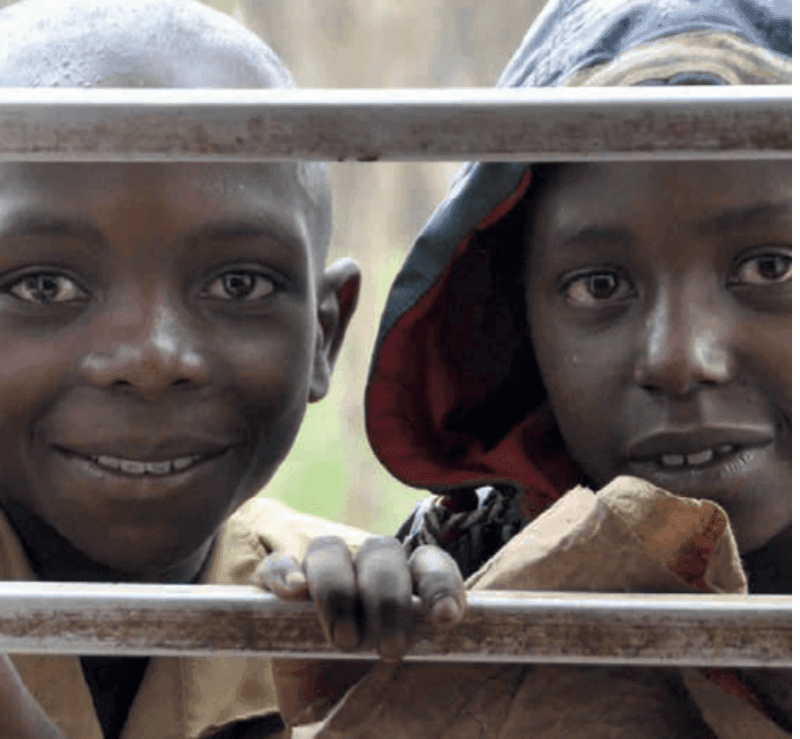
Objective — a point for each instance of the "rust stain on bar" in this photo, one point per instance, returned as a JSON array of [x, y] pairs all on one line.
[[498, 627], [570, 124]]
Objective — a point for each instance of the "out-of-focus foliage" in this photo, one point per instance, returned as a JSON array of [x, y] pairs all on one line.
[[379, 207]]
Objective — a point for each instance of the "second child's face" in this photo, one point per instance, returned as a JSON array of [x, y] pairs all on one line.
[[158, 328], [659, 300]]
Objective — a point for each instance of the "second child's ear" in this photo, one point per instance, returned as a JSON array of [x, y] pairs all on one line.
[[338, 295]]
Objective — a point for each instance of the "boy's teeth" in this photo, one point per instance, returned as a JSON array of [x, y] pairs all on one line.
[[183, 462], [700, 457], [133, 467], [159, 468], [693, 460], [111, 462]]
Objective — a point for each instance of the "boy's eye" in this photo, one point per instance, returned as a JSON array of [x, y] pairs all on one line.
[[47, 288], [764, 269], [240, 285], [590, 288]]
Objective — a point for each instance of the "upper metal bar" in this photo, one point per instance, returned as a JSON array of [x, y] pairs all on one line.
[[579, 628], [533, 124]]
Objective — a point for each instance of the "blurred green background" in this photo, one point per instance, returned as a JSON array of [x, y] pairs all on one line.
[[379, 208]]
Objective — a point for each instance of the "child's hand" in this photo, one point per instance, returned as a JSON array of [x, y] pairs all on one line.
[[366, 601]]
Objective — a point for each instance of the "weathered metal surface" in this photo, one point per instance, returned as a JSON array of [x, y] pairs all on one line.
[[578, 628], [550, 124]]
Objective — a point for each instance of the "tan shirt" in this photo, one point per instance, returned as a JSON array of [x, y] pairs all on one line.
[[179, 698]]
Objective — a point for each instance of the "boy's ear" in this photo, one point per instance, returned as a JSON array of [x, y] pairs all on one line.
[[338, 295]]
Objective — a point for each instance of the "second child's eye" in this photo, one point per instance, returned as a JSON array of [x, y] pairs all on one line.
[[47, 288], [764, 269], [591, 288], [240, 285]]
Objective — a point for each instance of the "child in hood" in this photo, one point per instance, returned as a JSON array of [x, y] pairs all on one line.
[[615, 327]]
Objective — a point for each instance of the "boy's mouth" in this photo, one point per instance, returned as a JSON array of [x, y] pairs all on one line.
[[693, 460], [145, 467], [674, 461], [673, 448], [138, 467]]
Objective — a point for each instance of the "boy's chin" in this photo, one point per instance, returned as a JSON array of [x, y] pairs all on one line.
[[148, 563], [126, 549]]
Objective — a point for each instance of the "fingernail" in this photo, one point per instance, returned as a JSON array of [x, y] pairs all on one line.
[[344, 636], [447, 610]]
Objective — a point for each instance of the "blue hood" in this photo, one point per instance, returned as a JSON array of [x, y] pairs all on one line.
[[454, 398]]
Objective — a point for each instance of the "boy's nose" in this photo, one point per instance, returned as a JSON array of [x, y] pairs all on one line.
[[686, 345], [150, 356]]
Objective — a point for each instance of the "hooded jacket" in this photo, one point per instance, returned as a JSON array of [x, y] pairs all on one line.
[[454, 402], [455, 405]]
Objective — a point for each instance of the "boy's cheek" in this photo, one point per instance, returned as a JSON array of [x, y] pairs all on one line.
[[766, 354]]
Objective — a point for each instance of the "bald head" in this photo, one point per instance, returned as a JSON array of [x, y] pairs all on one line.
[[135, 43], [147, 44]]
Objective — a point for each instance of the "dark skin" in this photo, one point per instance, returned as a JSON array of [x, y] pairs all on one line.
[[147, 317], [176, 316], [659, 300]]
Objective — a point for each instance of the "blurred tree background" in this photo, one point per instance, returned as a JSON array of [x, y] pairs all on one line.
[[379, 208]]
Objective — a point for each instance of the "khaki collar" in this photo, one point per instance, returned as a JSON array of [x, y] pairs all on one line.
[[179, 698]]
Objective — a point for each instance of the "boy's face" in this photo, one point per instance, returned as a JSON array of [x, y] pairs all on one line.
[[162, 329], [659, 300]]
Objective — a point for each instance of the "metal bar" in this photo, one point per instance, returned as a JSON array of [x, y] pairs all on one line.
[[580, 628], [533, 124]]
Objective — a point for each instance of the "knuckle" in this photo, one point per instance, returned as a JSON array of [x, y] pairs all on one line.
[[382, 554], [429, 554], [381, 543], [326, 543]]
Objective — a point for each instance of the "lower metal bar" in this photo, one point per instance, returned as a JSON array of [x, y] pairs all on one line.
[[533, 124], [578, 628]]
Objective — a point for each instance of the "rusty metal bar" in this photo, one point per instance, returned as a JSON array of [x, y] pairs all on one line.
[[534, 124], [579, 628]]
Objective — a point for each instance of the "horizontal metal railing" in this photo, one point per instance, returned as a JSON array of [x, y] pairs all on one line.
[[533, 124], [567, 124], [578, 628]]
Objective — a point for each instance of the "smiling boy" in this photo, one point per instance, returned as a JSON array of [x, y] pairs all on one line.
[[590, 365], [162, 327]]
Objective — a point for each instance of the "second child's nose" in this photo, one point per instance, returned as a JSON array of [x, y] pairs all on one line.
[[686, 344], [148, 351]]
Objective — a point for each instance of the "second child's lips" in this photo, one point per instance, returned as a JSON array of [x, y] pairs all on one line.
[[674, 441]]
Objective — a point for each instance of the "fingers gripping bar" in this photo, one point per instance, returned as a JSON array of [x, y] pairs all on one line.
[[577, 628]]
